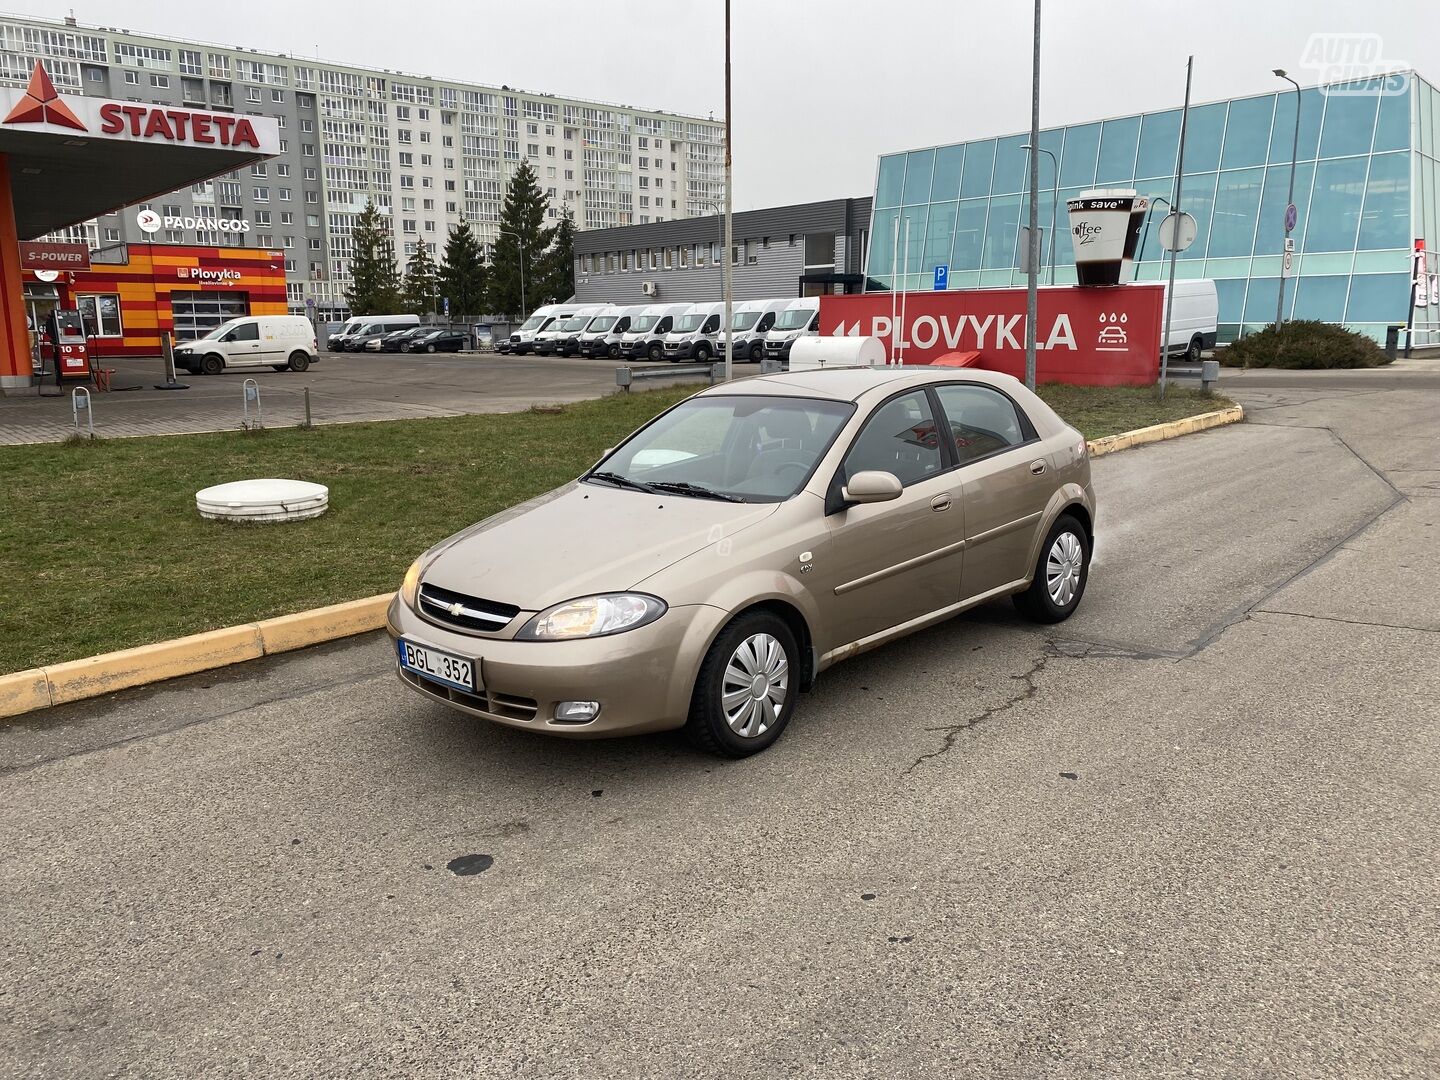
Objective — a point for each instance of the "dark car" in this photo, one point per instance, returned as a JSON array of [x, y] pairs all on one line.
[[396, 342], [436, 341]]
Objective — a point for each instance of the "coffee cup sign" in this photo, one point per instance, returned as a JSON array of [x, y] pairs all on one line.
[[1105, 231]]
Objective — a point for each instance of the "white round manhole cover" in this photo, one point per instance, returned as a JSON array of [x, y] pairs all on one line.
[[263, 500]]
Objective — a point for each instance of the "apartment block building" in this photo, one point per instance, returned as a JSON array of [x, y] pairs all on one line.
[[430, 152]]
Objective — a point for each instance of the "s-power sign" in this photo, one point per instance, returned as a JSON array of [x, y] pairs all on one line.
[[1100, 337]]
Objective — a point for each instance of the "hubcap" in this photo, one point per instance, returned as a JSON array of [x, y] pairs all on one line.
[[755, 685], [1062, 568]]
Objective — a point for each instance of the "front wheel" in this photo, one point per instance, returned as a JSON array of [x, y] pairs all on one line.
[[299, 361], [702, 354], [745, 691], [613, 352], [429, 348], [757, 353], [212, 365], [1060, 574], [656, 353]]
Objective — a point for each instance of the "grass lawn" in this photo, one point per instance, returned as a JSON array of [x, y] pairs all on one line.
[[101, 547]]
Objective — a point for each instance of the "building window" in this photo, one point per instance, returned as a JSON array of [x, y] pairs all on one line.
[[132, 78], [277, 96], [253, 94], [112, 235], [161, 81], [101, 313]]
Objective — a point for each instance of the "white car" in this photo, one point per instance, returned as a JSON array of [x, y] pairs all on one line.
[[252, 341]]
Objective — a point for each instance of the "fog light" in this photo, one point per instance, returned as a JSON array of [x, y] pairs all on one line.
[[577, 712]]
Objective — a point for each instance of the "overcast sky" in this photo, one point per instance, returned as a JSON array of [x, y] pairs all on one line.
[[821, 87]]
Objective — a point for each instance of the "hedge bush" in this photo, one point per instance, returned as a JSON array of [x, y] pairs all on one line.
[[1303, 344]]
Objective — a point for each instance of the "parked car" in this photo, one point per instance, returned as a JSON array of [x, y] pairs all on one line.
[[712, 565], [277, 341], [395, 342], [437, 341], [358, 331], [800, 319]]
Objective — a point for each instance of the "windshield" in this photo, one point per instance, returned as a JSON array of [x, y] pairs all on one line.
[[691, 323], [743, 320], [643, 323], [748, 447], [793, 319], [556, 324], [350, 327], [220, 330], [601, 322], [577, 323], [533, 322]]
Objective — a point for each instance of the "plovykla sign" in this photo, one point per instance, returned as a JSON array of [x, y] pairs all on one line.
[[1105, 231]]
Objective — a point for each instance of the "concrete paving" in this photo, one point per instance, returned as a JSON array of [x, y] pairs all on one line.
[[344, 387], [1189, 833]]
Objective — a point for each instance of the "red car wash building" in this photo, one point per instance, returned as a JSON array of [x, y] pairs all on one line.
[[65, 160]]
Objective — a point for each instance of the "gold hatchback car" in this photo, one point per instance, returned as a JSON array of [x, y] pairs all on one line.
[[709, 568]]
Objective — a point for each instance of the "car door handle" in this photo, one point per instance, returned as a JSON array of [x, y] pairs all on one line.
[[1037, 467], [939, 503]]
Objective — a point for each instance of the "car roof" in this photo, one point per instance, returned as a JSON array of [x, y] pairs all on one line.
[[853, 383]]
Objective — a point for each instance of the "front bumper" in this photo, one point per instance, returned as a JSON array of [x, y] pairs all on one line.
[[642, 678], [779, 350], [679, 350]]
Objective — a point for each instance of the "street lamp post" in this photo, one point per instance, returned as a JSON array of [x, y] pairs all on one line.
[[1054, 202], [1032, 279], [520, 246], [1290, 199]]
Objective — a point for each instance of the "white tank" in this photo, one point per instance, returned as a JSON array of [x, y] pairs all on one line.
[[808, 353], [263, 500]]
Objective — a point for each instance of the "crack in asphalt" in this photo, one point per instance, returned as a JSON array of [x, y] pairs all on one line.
[[953, 731], [1349, 622]]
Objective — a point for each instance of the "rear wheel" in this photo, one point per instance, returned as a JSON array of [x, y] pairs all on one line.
[[299, 360], [212, 364], [1060, 574], [745, 691], [655, 352], [1195, 348]]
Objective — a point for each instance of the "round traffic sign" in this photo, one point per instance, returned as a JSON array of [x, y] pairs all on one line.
[[1177, 231], [1291, 217]]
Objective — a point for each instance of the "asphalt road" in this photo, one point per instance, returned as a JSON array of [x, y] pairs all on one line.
[[1190, 833]]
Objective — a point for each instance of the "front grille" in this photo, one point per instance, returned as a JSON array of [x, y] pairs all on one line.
[[502, 706], [672, 345], [466, 612]]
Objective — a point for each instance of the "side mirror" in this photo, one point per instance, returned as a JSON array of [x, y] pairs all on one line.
[[872, 486]]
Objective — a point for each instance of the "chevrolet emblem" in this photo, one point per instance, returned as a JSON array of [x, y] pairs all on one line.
[[456, 609]]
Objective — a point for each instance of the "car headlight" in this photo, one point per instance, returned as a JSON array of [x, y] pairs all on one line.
[[593, 616], [411, 585]]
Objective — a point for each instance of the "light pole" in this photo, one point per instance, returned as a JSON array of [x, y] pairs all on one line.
[[520, 245], [1054, 202], [1290, 199], [729, 273], [1032, 279]]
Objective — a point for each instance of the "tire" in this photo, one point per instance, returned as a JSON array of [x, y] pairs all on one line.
[[1194, 349], [730, 661], [655, 352], [1070, 572], [299, 361], [429, 348], [212, 364], [614, 352], [702, 354], [757, 353]]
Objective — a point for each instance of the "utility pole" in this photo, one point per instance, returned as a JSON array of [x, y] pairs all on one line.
[[1290, 199], [1175, 209], [728, 268], [1032, 277]]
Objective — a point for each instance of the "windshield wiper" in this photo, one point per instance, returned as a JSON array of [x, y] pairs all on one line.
[[699, 491], [620, 481]]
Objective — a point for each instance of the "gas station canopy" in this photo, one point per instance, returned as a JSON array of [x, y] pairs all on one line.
[[74, 158]]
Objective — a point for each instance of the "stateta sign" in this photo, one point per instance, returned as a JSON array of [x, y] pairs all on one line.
[[41, 106], [1097, 337]]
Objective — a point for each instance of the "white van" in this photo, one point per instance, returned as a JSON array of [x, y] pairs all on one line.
[[547, 338], [251, 341], [567, 338], [363, 328], [522, 339], [602, 336], [801, 318], [646, 337], [1195, 321], [695, 333], [750, 321]]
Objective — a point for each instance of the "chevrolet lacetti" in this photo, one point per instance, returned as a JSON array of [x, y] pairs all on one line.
[[712, 565]]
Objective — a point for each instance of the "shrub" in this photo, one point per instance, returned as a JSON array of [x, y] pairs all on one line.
[[1303, 344]]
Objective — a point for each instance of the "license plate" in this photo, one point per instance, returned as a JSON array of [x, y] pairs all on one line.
[[437, 666]]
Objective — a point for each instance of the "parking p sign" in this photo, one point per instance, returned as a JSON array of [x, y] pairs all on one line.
[[942, 277]]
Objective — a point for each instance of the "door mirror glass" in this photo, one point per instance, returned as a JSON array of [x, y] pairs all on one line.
[[872, 486]]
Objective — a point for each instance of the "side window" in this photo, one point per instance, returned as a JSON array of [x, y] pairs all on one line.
[[815, 322], [245, 332], [712, 324], [982, 421], [898, 438], [766, 322]]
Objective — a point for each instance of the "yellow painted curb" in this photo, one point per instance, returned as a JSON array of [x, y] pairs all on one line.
[[1172, 430], [323, 624], [109, 672], [24, 691]]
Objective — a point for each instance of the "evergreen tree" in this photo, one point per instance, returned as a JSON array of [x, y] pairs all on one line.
[[523, 239], [420, 282], [375, 286], [559, 264], [462, 273]]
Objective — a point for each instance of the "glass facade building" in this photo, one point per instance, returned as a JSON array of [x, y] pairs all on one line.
[[1365, 190]]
